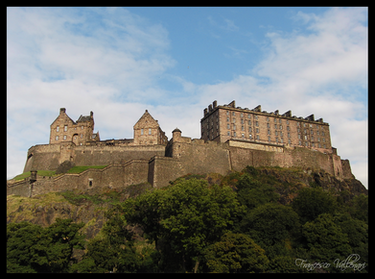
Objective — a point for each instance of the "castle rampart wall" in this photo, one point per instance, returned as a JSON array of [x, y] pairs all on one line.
[[49, 157]]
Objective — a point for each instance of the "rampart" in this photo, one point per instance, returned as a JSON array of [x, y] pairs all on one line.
[[159, 164], [50, 156]]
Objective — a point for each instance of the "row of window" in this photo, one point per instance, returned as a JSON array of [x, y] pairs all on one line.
[[66, 128], [149, 131], [64, 137]]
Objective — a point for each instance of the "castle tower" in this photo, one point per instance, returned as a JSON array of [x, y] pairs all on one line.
[[148, 132], [64, 129]]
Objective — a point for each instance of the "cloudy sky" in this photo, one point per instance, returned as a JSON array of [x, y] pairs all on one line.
[[117, 62]]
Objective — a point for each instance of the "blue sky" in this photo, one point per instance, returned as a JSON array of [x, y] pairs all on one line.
[[174, 62]]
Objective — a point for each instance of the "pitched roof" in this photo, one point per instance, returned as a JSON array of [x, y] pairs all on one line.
[[146, 121]]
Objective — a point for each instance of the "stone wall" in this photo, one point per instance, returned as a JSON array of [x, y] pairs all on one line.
[[48, 157]]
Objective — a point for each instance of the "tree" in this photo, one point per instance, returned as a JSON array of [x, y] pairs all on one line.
[[189, 214], [272, 226], [31, 248], [325, 240], [252, 193], [311, 202], [235, 253]]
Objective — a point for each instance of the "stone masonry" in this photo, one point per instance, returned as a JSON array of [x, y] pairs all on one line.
[[232, 138]]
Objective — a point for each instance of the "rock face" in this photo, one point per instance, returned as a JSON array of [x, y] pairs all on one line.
[[89, 207]]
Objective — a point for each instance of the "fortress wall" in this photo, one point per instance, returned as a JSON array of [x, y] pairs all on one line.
[[346, 170], [162, 170], [104, 155], [49, 157], [19, 188], [202, 158]]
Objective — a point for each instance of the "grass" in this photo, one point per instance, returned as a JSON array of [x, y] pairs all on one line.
[[79, 169], [76, 169], [40, 173]]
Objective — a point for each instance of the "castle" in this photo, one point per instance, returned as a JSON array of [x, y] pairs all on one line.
[[231, 138]]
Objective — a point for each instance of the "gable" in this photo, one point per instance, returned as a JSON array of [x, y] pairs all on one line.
[[146, 121], [63, 116]]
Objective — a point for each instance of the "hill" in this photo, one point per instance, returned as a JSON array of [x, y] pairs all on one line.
[[276, 212]]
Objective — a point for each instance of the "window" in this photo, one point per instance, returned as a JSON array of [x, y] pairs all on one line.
[[250, 136], [257, 137], [57, 128], [149, 131], [234, 127], [257, 130], [227, 112], [57, 138], [268, 119], [233, 113], [257, 123], [275, 126], [141, 131], [227, 119], [228, 126], [249, 116], [241, 114], [280, 120], [243, 136], [65, 128], [269, 139], [250, 129], [249, 123], [81, 127], [234, 134], [281, 127], [241, 121], [268, 125], [276, 134], [234, 120], [228, 134], [287, 128], [269, 132], [242, 128], [256, 117], [64, 137]]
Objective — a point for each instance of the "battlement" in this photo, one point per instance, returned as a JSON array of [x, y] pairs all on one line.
[[232, 138]]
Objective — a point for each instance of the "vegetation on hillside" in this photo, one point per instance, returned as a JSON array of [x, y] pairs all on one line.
[[249, 221]]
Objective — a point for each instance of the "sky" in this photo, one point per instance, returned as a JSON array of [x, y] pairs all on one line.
[[174, 62]]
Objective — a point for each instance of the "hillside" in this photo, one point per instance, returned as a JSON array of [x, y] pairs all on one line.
[[253, 188]]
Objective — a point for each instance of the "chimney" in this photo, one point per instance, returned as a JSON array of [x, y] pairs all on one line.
[[91, 114], [214, 104], [62, 110]]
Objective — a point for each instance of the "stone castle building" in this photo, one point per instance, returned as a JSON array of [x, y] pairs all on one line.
[[222, 123], [231, 139]]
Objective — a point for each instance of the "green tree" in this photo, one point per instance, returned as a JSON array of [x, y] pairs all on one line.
[[325, 240], [311, 202], [31, 248], [252, 193], [272, 226], [359, 207], [103, 256], [235, 253], [357, 230], [189, 214]]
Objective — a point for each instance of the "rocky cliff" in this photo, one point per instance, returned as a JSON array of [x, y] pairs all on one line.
[[90, 206]]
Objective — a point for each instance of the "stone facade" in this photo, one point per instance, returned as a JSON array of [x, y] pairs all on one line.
[[64, 129], [150, 157], [221, 123]]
